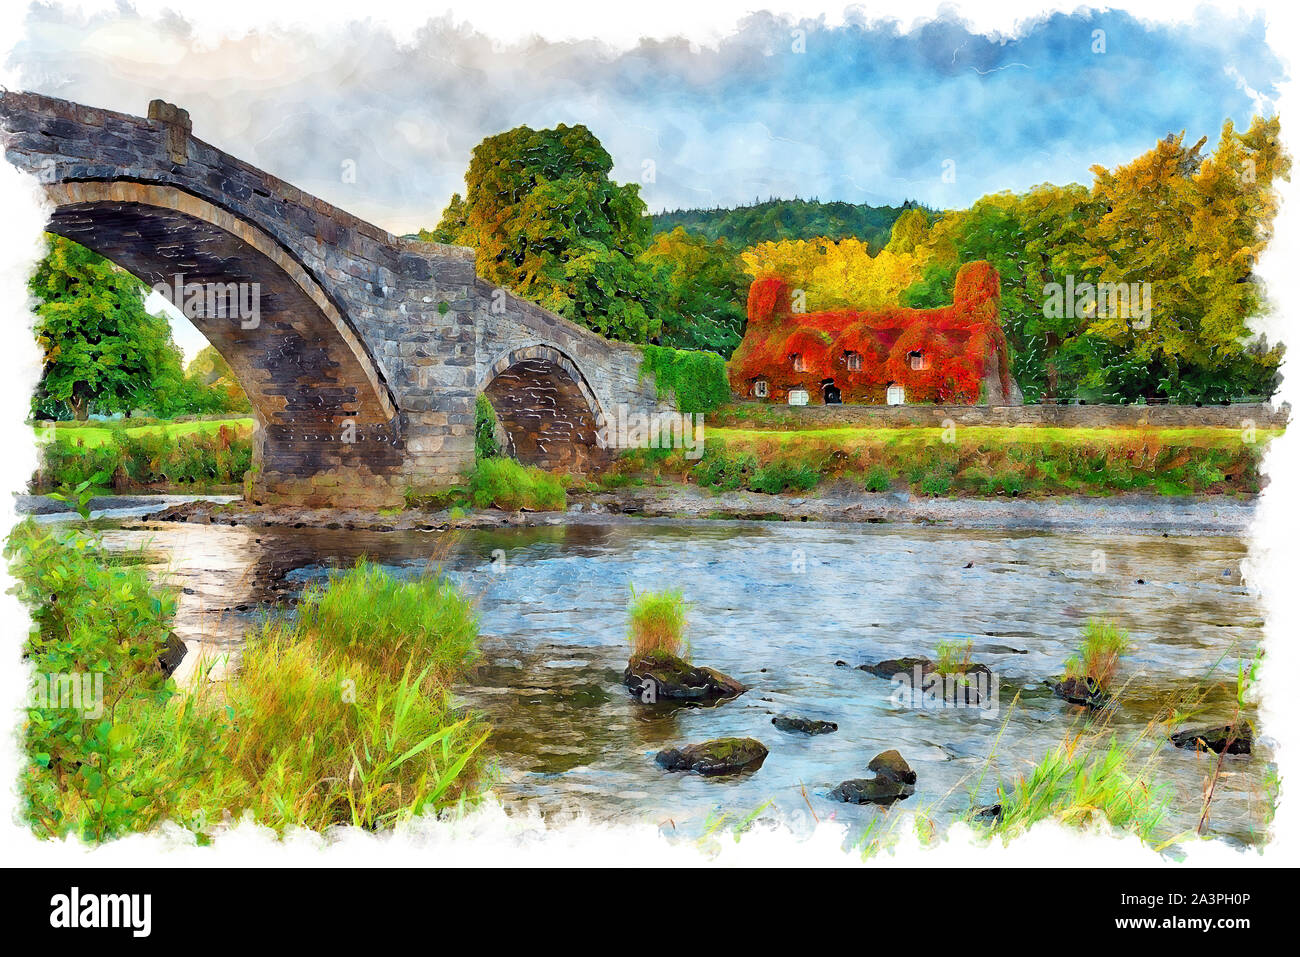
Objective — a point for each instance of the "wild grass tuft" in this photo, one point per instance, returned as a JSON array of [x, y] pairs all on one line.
[[1099, 654], [953, 657], [657, 622]]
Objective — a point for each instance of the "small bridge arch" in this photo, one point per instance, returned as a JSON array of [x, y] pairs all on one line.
[[548, 410]]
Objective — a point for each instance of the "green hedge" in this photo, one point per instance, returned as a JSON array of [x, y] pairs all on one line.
[[699, 379]]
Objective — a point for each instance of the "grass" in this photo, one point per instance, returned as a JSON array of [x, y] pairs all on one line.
[[341, 715], [93, 434], [200, 454], [499, 483], [1099, 653], [1082, 781], [975, 461], [657, 622], [345, 715], [953, 657]]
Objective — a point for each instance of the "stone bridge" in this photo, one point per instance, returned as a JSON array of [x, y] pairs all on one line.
[[365, 351]]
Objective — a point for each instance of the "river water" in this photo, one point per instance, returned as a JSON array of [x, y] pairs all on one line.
[[777, 605]]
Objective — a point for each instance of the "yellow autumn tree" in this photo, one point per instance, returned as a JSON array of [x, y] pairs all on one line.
[[1193, 227], [845, 273]]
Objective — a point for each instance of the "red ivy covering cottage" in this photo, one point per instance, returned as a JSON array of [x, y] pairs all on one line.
[[952, 354]]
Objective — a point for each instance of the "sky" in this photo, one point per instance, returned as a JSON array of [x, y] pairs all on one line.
[[382, 124]]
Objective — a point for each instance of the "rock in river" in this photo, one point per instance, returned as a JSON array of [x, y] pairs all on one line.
[[800, 725], [721, 756], [1235, 739], [1083, 691], [894, 781], [659, 676]]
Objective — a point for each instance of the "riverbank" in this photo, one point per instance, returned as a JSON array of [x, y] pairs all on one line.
[[836, 503]]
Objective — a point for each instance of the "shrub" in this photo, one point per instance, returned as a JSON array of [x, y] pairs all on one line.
[[657, 622], [485, 426], [698, 379], [505, 484], [1099, 654], [724, 470], [781, 475], [89, 769], [878, 479], [935, 484]]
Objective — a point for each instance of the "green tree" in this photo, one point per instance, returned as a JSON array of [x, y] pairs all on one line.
[[545, 220], [699, 291], [103, 351], [213, 385]]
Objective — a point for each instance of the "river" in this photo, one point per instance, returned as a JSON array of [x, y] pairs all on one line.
[[777, 605]]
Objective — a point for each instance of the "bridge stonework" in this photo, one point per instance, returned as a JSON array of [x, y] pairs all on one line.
[[367, 350]]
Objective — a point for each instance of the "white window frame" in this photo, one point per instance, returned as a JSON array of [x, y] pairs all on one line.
[[798, 397], [919, 360], [760, 388], [853, 361], [895, 395]]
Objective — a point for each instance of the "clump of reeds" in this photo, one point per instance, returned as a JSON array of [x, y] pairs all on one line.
[[657, 622], [1098, 656]]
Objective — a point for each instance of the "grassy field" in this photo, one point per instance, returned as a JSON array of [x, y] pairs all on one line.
[[94, 434], [156, 456]]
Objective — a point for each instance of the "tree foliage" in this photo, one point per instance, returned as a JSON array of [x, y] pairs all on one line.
[[545, 220], [699, 291]]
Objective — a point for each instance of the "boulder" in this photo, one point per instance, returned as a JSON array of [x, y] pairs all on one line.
[[956, 691], [660, 676], [1234, 738], [172, 654], [891, 766], [894, 781], [1084, 691], [796, 724], [721, 756]]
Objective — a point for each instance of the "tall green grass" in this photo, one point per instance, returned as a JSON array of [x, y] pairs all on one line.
[[1098, 656], [342, 714], [1084, 781], [656, 621]]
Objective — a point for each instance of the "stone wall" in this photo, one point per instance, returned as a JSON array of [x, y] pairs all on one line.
[[1263, 415]]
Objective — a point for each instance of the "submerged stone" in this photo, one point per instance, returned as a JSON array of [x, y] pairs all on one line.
[[796, 724], [721, 756], [1232, 738], [660, 676], [894, 781]]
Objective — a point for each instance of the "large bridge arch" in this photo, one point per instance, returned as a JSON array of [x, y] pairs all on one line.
[[321, 404], [550, 414]]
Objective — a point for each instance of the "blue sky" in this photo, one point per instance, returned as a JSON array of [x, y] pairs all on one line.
[[867, 112]]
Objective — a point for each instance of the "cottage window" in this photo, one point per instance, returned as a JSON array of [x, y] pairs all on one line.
[[760, 388], [798, 396], [853, 361], [894, 395], [919, 360], [797, 360]]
